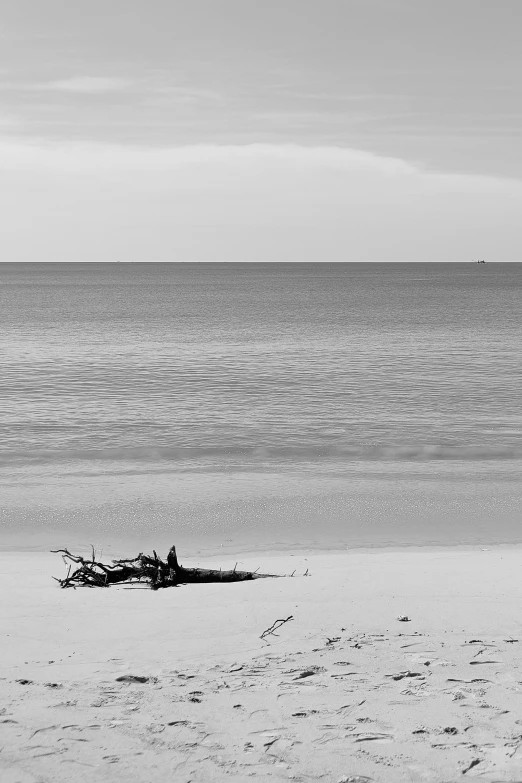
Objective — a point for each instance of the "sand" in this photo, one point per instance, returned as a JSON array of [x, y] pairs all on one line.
[[345, 692]]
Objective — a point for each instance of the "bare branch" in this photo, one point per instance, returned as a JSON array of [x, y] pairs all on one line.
[[275, 626]]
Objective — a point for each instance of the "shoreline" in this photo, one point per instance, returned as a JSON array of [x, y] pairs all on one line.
[[129, 546]]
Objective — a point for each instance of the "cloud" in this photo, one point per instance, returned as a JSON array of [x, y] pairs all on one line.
[[189, 94], [85, 84], [15, 153], [9, 121], [245, 203]]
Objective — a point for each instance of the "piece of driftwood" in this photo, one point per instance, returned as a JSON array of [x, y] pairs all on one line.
[[149, 569], [274, 627]]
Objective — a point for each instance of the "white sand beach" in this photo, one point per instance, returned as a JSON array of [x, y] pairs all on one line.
[[344, 692]]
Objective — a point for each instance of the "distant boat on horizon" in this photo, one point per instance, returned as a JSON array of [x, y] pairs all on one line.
[[481, 262]]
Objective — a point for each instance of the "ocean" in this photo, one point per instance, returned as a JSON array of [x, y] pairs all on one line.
[[275, 406]]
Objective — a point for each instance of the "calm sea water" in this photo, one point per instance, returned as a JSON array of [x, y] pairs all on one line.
[[275, 405]]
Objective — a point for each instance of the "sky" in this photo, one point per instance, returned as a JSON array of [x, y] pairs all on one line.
[[260, 130]]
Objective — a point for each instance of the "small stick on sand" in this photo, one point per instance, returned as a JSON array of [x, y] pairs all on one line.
[[274, 627]]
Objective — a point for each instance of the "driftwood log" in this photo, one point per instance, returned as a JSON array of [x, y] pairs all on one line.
[[148, 569]]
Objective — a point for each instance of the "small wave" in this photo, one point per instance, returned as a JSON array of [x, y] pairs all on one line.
[[259, 454]]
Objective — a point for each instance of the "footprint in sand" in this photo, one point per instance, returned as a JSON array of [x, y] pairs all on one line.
[[478, 663], [366, 737], [135, 678], [403, 675]]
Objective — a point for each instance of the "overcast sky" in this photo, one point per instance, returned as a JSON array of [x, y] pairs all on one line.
[[260, 130]]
